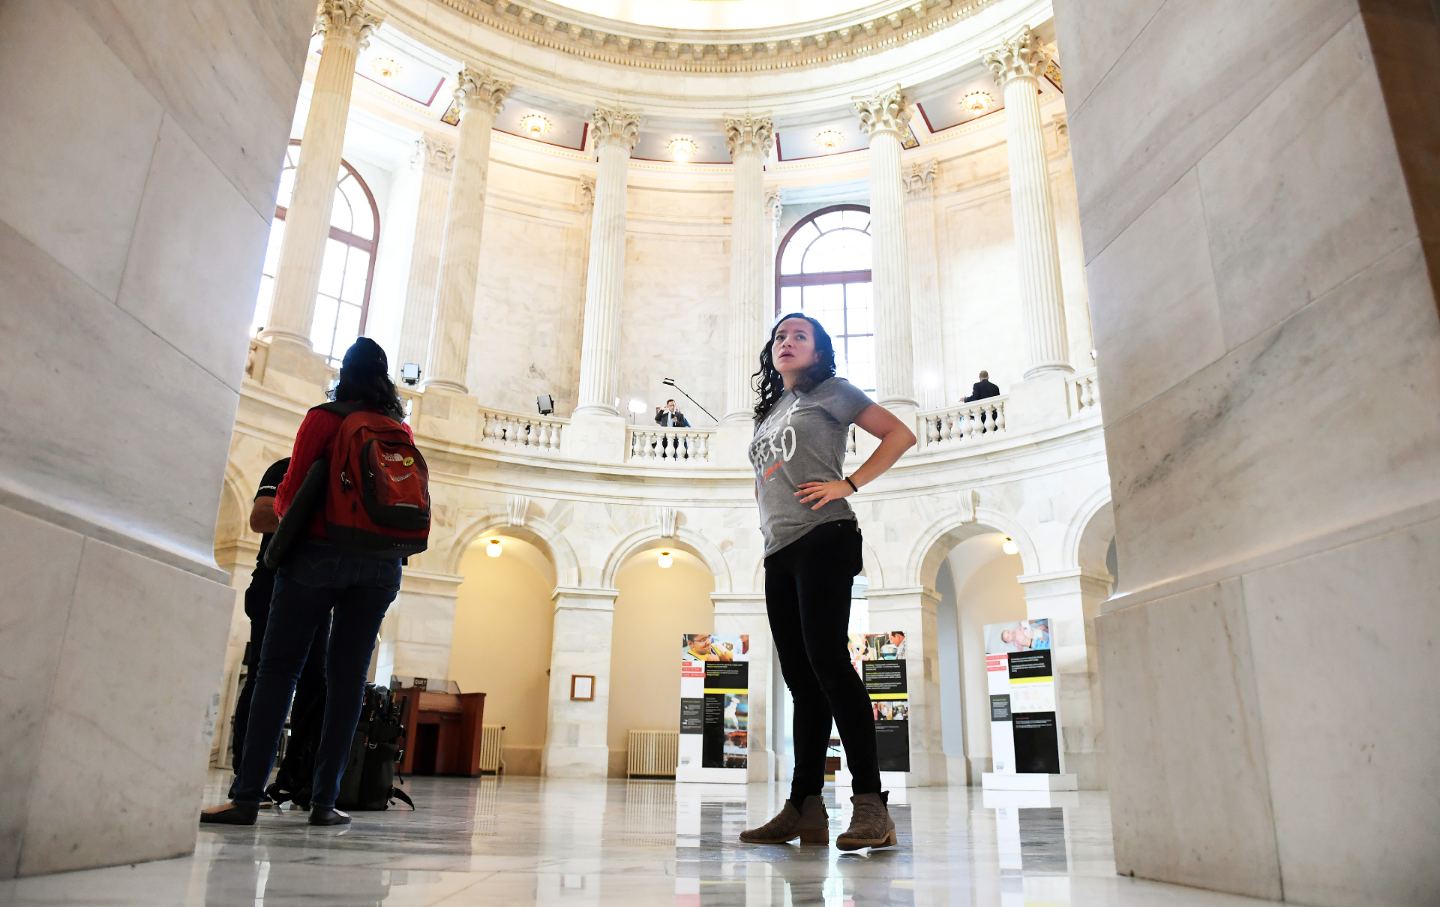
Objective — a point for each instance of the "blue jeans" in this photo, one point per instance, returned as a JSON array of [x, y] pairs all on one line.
[[316, 579]]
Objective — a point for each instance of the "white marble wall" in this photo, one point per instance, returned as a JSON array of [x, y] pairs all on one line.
[[140, 162], [1270, 352]]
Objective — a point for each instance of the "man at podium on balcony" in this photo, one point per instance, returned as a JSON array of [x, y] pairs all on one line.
[[668, 416]]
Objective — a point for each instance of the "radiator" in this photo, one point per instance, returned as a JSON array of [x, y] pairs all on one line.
[[653, 754], [491, 736]]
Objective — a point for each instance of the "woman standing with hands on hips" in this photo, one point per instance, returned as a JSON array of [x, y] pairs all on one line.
[[812, 554]]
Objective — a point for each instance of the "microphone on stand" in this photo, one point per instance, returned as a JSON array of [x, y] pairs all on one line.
[[670, 382]]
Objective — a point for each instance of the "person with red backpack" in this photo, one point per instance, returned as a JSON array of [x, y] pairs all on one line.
[[345, 560]]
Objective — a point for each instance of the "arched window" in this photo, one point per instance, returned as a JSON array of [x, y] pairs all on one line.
[[343, 300], [823, 270]]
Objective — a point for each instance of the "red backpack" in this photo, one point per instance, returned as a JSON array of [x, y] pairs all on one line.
[[377, 499]]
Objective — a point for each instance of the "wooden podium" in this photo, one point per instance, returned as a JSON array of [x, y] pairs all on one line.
[[442, 732]]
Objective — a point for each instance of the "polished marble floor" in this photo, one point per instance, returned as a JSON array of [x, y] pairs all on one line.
[[527, 840]]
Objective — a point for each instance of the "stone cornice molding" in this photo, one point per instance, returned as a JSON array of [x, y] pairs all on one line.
[[841, 38], [614, 126], [749, 134], [1020, 57], [435, 155], [480, 89], [884, 111], [919, 178], [350, 21]]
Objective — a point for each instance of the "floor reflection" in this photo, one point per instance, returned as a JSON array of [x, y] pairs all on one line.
[[536, 841]]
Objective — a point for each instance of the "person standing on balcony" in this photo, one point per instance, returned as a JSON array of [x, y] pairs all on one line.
[[812, 555], [983, 390], [670, 417]]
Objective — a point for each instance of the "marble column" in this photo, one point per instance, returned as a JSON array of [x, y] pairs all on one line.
[[481, 95], [925, 318], [576, 745], [616, 132], [749, 138], [884, 117], [346, 25], [436, 160], [913, 611], [739, 614], [1017, 65], [1071, 601]]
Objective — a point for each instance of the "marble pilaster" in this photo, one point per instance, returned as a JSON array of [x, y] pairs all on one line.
[[481, 96], [575, 735], [436, 160], [926, 324], [346, 25], [420, 627], [1071, 601], [616, 132], [1016, 66], [885, 116], [913, 611]]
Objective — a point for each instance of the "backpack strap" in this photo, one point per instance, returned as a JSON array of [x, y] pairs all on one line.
[[398, 794], [340, 409]]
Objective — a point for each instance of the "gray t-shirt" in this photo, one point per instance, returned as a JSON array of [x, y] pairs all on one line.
[[802, 439]]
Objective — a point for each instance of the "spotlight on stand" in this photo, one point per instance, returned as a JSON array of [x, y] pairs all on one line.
[[410, 373], [636, 408], [545, 404]]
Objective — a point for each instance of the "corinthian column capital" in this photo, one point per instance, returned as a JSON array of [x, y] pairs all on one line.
[[613, 126], [434, 155], [350, 21], [885, 111], [919, 178], [1021, 57], [480, 89], [749, 134]]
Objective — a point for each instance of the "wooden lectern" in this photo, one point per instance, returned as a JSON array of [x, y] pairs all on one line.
[[442, 732]]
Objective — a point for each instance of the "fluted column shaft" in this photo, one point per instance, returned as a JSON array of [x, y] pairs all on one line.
[[885, 116], [481, 96], [749, 139], [925, 291], [615, 134], [347, 25], [436, 160], [1017, 65]]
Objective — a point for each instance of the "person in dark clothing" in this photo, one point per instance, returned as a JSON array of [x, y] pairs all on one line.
[[812, 554], [983, 389], [319, 578], [670, 417], [294, 774]]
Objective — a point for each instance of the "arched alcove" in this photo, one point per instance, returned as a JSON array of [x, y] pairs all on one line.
[[655, 606], [500, 644]]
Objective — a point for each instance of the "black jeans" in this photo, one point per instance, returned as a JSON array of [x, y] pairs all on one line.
[[309, 705], [807, 598], [317, 579]]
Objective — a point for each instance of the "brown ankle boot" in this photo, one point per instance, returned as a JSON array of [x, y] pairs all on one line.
[[810, 823], [871, 825]]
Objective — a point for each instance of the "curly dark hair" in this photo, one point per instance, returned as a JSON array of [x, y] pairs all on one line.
[[375, 390], [769, 384]]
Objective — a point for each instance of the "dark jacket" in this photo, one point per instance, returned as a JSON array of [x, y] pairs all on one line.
[[671, 420], [982, 390]]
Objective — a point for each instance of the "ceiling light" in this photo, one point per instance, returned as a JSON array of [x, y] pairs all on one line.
[[493, 548], [829, 138], [535, 125], [665, 560], [1009, 547], [682, 148], [386, 67], [977, 102]]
